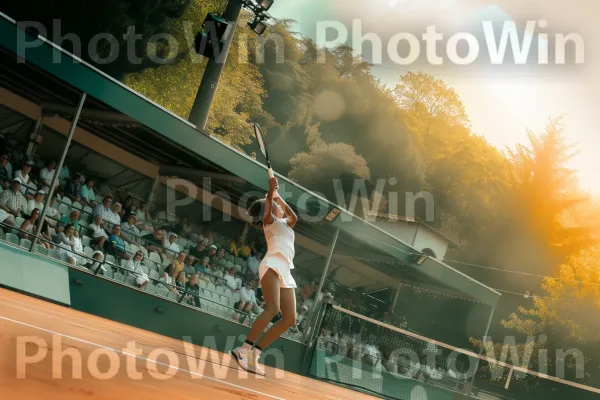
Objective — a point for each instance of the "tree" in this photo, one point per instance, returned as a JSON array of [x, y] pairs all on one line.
[[88, 19], [561, 317], [317, 168]]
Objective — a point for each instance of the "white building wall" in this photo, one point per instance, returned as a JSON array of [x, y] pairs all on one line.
[[424, 239]]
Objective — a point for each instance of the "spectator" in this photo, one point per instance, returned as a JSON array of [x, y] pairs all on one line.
[[154, 242], [200, 250], [128, 208], [67, 244], [104, 209], [135, 265], [72, 219], [236, 247], [117, 245], [5, 175], [212, 251], [230, 281], [253, 262], [167, 278], [208, 237], [72, 188], [219, 257], [188, 268], [216, 274], [99, 235], [247, 296], [171, 246], [144, 222], [178, 264], [244, 310], [47, 174], [131, 233], [86, 192], [113, 217], [11, 203], [65, 173], [29, 226], [203, 267], [301, 314], [193, 289], [52, 214], [36, 202], [309, 290], [23, 175], [96, 264], [180, 281]]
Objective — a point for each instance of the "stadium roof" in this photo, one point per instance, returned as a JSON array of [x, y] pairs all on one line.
[[46, 73]]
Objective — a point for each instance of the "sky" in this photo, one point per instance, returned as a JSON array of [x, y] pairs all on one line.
[[502, 101]]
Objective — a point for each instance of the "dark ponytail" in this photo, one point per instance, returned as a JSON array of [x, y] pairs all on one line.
[[256, 212]]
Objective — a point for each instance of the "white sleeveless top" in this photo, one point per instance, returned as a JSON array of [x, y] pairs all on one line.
[[280, 240]]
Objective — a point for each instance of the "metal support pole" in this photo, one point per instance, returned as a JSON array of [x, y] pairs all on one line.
[[313, 320], [152, 194], [214, 68], [54, 182], [396, 299], [31, 146], [510, 374], [487, 330]]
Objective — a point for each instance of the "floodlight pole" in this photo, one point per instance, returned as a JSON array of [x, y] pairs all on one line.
[[214, 69]]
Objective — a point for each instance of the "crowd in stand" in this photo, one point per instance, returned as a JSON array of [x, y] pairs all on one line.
[[89, 224]]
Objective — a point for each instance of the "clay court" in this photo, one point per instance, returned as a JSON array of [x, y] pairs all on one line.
[[214, 375]]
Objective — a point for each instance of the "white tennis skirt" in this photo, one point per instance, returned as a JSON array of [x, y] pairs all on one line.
[[280, 265]]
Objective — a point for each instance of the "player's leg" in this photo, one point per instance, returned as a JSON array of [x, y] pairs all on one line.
[[287, 301], [270, 286]]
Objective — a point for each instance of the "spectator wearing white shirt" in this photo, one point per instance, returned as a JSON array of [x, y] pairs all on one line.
[[253, 262], [135, 265], [10, 203], [64, 174], [130, 232], [47, 174], [104, 208], [171, 246], [230, 280], [247, 302], [52, 214], [99, 235], [23, 175], [36, 202], [87, 194], [112, 218]]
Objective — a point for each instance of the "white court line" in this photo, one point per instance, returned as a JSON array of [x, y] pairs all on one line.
[[109, 332], [142, 358]]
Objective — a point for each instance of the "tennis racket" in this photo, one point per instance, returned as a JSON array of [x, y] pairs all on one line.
[[263, 148]]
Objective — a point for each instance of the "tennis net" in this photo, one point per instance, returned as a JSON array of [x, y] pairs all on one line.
[[356, 351]]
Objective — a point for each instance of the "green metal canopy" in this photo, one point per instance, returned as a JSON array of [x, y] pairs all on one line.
[[62, 65]]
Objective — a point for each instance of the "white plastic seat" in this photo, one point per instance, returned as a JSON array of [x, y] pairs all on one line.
[[152, 274], [119, 277], [85, 240], [25, 243], [12, 238], [63, 209], [78, 205], [88, 251], [40, 249], [67, 201]]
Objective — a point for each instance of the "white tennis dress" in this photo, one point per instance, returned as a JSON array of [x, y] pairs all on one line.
[[280, 252]]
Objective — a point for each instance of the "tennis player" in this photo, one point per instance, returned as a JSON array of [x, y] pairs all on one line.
[[277, 220]]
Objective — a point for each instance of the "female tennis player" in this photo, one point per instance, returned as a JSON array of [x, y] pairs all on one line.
[[277, 220]]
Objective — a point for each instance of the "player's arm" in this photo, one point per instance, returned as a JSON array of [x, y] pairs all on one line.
[[290, 215], [268, 215]]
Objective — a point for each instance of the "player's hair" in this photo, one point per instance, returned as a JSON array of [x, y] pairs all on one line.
[[256, 212]]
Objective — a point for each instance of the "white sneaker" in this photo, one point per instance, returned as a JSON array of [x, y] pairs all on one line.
[[256, 367], [248, 361], [241, 356]]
